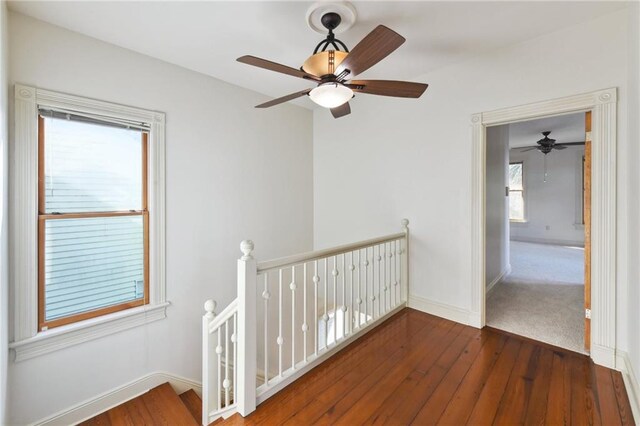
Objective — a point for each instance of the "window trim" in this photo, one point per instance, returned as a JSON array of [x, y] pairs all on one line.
[[27, 341], [524, 201]]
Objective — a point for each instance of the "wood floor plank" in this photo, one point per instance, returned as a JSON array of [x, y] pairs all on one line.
[[439, 399], [355, 408], [537, 407], [607, 397], [464, 399], [314, 385], [488, 402], [166, 408], [99, 420], [579, 403], [513, 403], [192, 401], [624, 407], [380, 379], [406, 399]]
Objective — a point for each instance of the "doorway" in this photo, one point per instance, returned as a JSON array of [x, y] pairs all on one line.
[[603, 106], [536, 251]]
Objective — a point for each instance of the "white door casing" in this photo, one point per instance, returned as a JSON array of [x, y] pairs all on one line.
[[603, 104]]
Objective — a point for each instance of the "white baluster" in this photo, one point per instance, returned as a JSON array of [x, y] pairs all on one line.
[[280, 339], [405, 262], [373, 282], [266, 295], [305, 326], [366, 284], [380, 280], [392, 273], [352, 317], [335, 299], [234, 340], [247, 333], [209, 307], [344, 297], [325, 317], [293, 287], [358, 292], [219, 377], [398, 267], [226, 383], [316, 280]]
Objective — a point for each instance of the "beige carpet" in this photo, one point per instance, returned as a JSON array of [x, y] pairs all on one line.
[[528, 302]]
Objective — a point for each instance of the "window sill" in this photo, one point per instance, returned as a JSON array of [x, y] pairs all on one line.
[[94, 328], [518, 222]]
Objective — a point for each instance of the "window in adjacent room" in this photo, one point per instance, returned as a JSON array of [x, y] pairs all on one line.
[[93, 222], [516, 192]]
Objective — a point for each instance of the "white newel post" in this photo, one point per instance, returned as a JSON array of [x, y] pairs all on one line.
[[405, 261], [209, 307], [247, 343]]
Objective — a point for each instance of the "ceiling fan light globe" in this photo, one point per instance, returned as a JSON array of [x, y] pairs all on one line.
[[331, 95]]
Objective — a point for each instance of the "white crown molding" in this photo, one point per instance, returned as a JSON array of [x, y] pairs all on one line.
[[442, 310], [114, 397], [603, 105]]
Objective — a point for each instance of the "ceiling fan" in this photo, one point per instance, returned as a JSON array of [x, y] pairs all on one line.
[[546, 144], [332, 70]]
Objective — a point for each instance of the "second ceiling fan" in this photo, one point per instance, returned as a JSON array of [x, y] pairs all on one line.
[[332, 70], [546, 144]]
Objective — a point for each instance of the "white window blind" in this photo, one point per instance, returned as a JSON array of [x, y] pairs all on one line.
[[92, 263], [92, 216]]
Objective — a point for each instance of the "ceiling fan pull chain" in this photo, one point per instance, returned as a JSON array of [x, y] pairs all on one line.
[[545, 168]]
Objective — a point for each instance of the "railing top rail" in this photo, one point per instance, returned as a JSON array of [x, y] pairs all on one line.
[[296, 259], [223, 316]]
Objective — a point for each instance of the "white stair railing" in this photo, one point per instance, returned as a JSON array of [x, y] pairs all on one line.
[[293, 313]]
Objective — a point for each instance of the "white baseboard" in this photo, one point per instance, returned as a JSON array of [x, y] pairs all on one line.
[[497, 279], [549, 241], [631, 382], [107, 400], [603, 355], [442, 310]]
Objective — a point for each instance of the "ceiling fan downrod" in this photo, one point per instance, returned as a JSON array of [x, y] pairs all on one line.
[[331, 20]]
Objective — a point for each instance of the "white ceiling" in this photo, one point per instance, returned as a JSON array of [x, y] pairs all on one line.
[[208, 36], [564, 128]]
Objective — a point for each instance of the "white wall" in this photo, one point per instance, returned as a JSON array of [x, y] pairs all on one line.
[[394, 158], [233, 172], [497, 205], [556, 203], [4, 229]]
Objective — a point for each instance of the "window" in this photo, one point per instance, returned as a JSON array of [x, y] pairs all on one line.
[[88, 220], [516, 192], [92, 218]]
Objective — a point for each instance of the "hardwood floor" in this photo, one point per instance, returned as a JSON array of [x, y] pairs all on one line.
[[423, 370], [420, 369]]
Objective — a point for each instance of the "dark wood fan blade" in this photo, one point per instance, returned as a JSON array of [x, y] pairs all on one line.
[[376, 46], [529, 149], [341, 111], [283, 99], [569, 143], [273, 66], [400, 89], [559, 147]]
